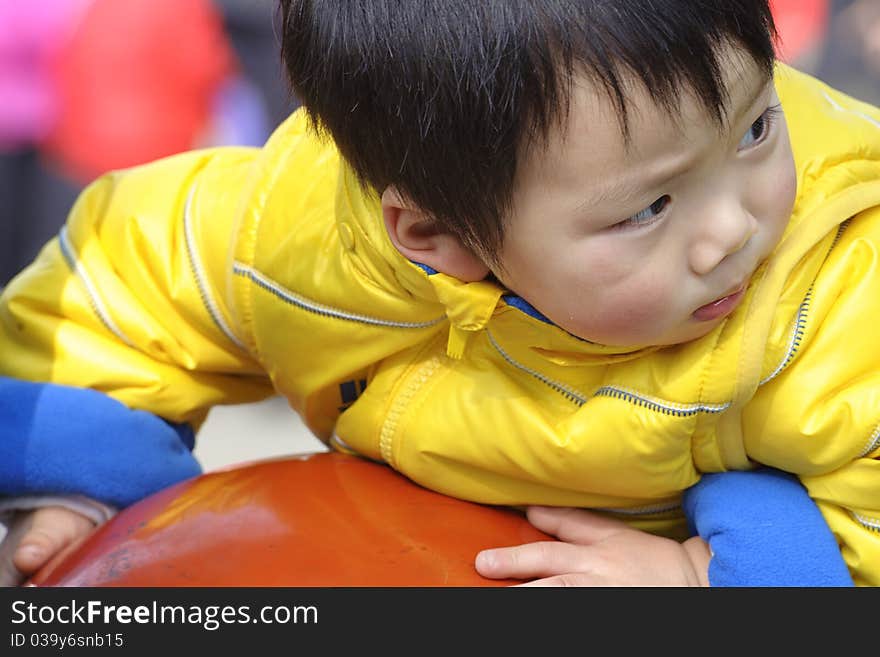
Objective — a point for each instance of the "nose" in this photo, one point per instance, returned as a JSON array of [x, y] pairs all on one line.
[[728, 231]]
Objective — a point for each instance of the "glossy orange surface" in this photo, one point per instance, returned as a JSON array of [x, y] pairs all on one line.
[[317, 520]]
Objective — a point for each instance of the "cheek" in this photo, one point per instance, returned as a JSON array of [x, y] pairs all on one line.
[[779, 190], [787, 192], [779, 196], [632, 309]]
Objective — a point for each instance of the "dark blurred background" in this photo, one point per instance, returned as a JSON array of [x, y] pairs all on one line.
[[87, 86]]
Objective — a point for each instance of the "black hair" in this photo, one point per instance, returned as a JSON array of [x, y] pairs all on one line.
[[440, 97]]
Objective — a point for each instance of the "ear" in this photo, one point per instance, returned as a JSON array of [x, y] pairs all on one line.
[[419, 239]]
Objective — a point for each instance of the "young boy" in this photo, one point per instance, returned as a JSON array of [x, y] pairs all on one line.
[[563, 256]]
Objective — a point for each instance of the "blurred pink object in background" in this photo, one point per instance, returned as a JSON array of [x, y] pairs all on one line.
[[802, 25], [137, 81], [31, 34]]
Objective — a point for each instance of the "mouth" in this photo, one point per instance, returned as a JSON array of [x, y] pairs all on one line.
[[720, 307]]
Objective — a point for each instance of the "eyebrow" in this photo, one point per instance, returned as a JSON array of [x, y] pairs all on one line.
[[752, 98], [619, 190], [623, 190]]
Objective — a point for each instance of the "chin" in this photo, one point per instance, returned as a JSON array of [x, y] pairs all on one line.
[[691, 333]]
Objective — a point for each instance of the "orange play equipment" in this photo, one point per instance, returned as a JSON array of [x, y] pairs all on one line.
[[317, 520]]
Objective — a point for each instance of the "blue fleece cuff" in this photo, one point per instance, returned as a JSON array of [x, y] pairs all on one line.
[[61, 440], [764, 530]]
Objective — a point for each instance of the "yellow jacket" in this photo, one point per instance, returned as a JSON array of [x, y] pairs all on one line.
[[222, 275]]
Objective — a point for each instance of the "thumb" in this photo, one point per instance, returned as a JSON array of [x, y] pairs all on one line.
[[46, 532]]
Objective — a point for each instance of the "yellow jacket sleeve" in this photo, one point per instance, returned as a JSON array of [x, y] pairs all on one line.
[[849, 499], [131, 297]]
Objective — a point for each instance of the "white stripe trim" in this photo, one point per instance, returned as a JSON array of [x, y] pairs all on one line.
[[841, 108], [320, 309], [340, 444], [198, 271], [97, 304]]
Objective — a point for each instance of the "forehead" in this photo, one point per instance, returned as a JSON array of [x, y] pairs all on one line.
[[600, 140]]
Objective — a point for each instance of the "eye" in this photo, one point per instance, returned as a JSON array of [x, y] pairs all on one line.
[[647, 216], [759, 130]]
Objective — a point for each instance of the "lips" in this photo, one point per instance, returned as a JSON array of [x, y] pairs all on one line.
[[720, 307]]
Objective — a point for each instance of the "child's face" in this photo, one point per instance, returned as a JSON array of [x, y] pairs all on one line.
[[651, 243]]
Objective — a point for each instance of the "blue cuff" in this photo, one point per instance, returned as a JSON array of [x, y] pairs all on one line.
[[61, 440], [764, 530]]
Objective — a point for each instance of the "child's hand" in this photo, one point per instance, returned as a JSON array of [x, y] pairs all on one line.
[[35, 537], [597, 551]]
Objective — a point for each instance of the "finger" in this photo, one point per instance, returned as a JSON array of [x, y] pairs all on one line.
[[542, 559], [9, 574], [566, 580], [49, 531], [700, 554], [574, 525]]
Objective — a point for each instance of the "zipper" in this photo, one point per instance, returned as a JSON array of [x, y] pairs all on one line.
[[569, 393], [800, 322], [401, 401], [659, 405], [294, 299], [795, 338], [651, 509], [873, 443], [422, 373], [871, 524]]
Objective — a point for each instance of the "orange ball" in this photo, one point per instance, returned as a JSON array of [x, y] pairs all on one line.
[[317, 520]]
